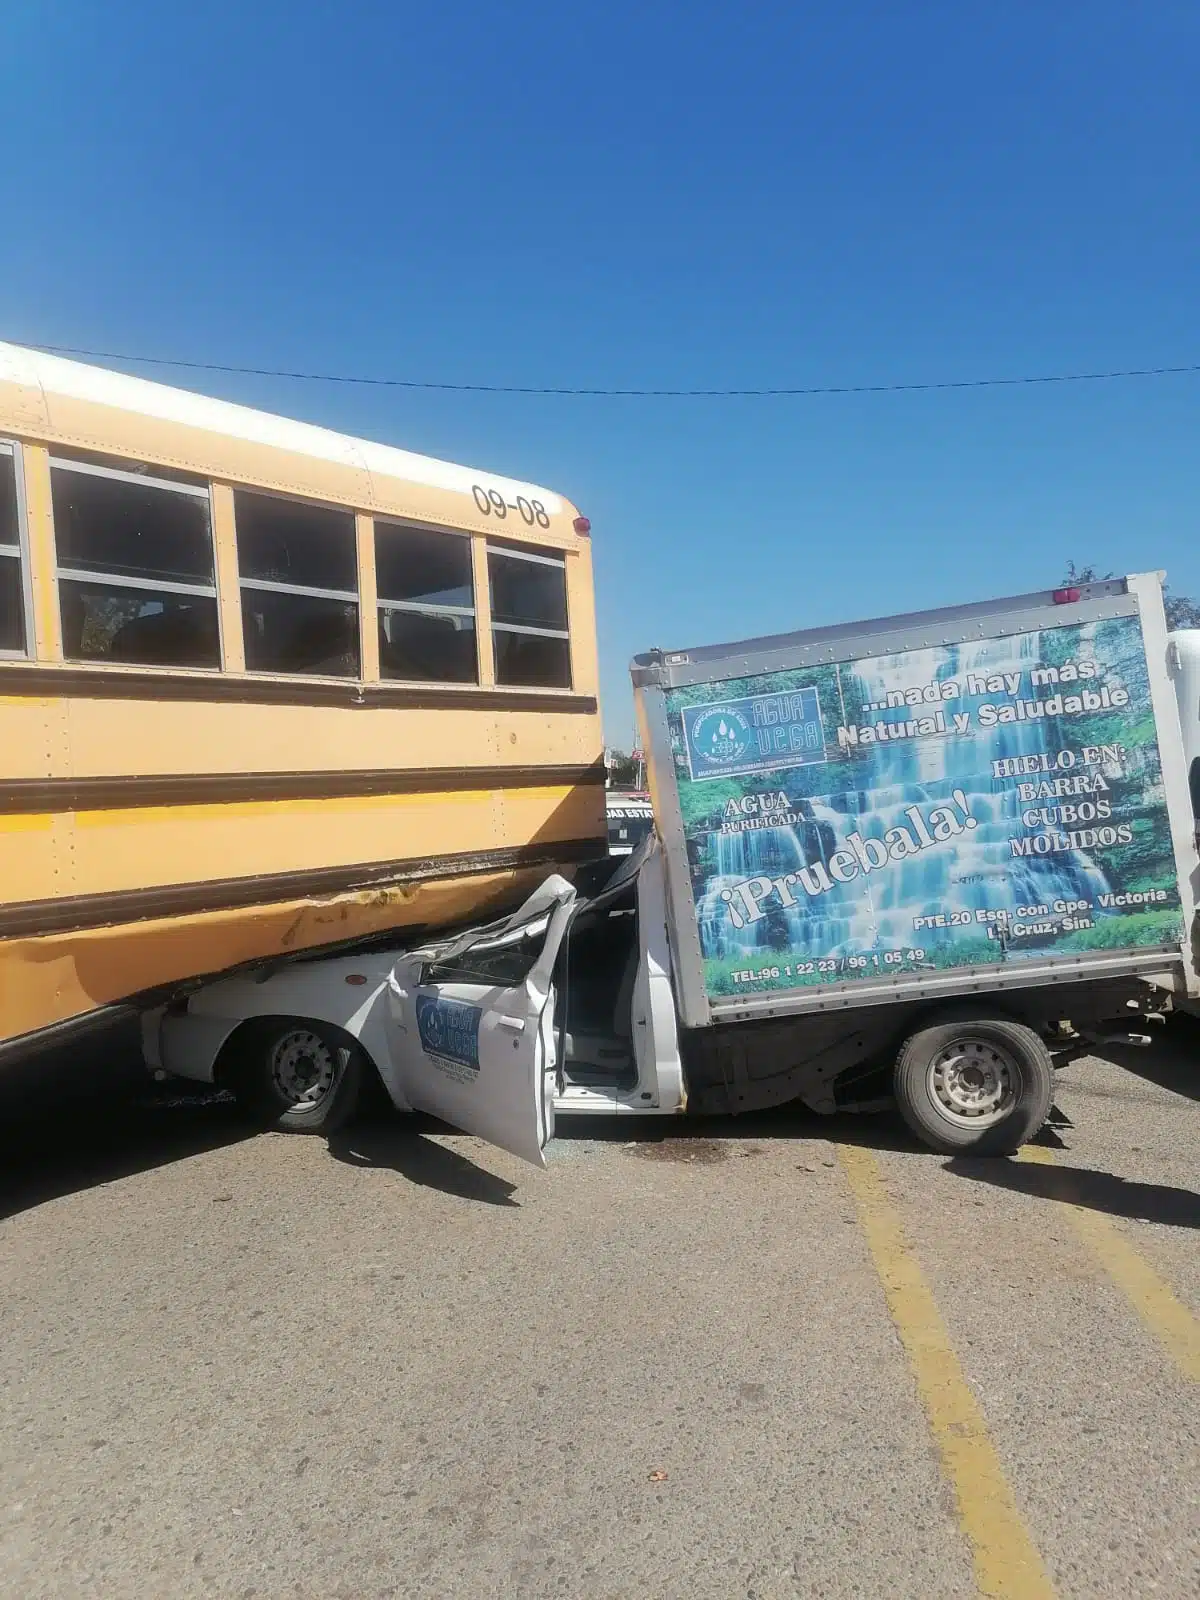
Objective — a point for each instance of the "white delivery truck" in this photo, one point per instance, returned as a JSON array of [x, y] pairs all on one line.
[[928, 857]]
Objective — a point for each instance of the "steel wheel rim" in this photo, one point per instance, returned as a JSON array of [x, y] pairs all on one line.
[[303, 1068], [973, 1082]]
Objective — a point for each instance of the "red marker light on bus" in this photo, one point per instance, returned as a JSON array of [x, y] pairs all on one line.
[[1065, 597], [582, 525], [355, 979]]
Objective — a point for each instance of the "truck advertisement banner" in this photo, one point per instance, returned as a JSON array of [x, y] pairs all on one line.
[[955, 806]]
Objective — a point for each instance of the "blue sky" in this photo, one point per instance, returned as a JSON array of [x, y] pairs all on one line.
[[661, 195]]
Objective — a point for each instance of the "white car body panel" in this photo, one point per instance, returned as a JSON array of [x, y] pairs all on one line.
[[371, 996], [189, 1042], [655, 1024], [478, 1054]]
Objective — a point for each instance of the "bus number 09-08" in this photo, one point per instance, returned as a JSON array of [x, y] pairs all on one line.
[[493, 504]]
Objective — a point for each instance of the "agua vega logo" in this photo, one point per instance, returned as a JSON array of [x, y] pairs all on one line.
[[721, 735], [449, 1030], [755, 734]]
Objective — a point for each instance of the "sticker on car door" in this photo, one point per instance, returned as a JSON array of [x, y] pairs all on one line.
[[449, 1031]]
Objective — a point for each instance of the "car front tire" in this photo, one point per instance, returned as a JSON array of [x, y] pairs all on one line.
[[296, 1075]]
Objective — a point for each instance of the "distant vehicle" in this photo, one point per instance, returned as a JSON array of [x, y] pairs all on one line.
[[264, 687], [929, 857], [630, 819]]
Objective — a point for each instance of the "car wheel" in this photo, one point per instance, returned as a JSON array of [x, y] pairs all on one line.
[[298, 1076]]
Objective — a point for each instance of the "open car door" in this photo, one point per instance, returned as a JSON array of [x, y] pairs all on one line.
[[471, 1025]]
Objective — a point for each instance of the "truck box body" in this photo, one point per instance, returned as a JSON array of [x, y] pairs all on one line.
[[944, 804]]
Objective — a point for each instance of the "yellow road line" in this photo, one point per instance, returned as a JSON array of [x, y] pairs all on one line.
[[1007, 1563], [1158, 1307]]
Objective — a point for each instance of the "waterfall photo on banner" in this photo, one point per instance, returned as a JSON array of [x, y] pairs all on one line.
[[953, 806]]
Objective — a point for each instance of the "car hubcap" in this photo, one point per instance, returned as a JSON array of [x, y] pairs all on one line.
[[973, 1082], [303, 1068]]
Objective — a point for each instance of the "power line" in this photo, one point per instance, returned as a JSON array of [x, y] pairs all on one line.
[[626, 394]]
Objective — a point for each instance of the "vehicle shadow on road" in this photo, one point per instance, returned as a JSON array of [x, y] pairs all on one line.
[[1084, 1186], [62, 1153], [403, 1148], [88, 1113], [1172, 1062]]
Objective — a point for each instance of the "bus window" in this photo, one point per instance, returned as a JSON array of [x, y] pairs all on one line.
[[529, 616], [299, 579], [135, 567], [13, 639], [426, 604]]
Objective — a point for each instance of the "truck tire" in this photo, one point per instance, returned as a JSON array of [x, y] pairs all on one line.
[[974, 1085], [295, 1075]]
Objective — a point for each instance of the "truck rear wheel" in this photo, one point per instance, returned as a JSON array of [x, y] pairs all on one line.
[[296, 1075], [974, 1085]]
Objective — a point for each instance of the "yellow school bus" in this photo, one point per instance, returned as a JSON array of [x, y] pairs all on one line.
[[265, 687]]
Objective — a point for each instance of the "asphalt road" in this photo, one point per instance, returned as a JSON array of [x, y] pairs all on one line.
[[779, 1358]]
